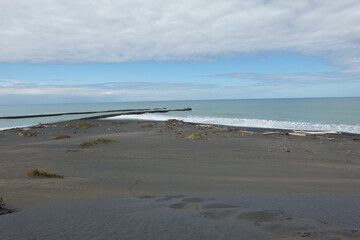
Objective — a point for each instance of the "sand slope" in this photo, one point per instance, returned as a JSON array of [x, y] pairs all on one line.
[[236, 183], [151, 159]]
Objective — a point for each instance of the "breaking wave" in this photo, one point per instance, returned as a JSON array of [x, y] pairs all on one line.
[[240, 122]]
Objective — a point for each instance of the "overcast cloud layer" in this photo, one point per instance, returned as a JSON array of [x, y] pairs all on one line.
[[265, 86], [51, 31]]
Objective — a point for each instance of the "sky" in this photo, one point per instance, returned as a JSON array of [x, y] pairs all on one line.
[[62, 51]]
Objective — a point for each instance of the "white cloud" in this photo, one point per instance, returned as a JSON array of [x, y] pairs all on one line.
[[270, 86], [42, 31], [294, 79], [104, 92]]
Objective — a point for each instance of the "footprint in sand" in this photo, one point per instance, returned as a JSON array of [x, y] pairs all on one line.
[[169, 197], [178, 205], [220, 215], [205, 204], [262, 216], [276, 223], [194, 200], [218, 205]]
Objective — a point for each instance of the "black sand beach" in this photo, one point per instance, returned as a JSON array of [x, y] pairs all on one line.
[[249, 183]]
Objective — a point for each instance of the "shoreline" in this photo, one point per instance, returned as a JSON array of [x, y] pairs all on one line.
[[256, 129], [335, 115]]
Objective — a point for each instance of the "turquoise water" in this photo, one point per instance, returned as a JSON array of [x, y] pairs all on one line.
[[340, 114]]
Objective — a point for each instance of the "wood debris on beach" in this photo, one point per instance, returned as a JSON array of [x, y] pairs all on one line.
[[270, 133], [173, 122], [307, 133]]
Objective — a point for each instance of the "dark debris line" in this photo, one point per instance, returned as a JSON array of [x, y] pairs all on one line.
[[128, 111]]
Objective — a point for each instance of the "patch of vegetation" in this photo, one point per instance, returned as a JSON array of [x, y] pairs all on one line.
[[148, 125], [97, 141], [169, 127], [85, 125], [194, 136], [138, 121], [88, 144], [119, 123], [173, 121], [42, 173], [62, 136], [2, 204], [104, 140], [1, 134], [28, 133]]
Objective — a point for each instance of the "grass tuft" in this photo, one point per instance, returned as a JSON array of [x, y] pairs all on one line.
[[2, 204], [119, 123], [138, 121], [85, 125], [88, 144], [169, 127], [97, 141], [42, 173], [194, 136], [62, 136], [27, 133], [104, 140], [148, 125]]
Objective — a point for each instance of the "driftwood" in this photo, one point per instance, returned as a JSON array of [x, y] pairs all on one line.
[[297, 134], [246, 132], [173, 121], [205, 126], [306, 133], [270, 133], [317, 133]]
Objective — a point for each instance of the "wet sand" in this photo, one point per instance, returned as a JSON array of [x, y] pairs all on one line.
[[158, 159]]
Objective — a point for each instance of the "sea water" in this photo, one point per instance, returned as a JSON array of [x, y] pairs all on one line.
[[317, 114]]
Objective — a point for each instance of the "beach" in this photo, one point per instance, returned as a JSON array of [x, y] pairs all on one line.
[[164, 120], [266, 183]]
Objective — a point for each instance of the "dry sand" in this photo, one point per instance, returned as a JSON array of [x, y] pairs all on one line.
[[187, 217], [278, 186]]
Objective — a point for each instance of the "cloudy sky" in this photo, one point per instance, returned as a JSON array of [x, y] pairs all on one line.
[[129, 50]]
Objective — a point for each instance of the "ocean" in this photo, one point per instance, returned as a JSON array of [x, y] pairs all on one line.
[[317, 114]]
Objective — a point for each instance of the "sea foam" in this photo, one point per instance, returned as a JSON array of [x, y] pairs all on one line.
[[242, 122]]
